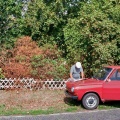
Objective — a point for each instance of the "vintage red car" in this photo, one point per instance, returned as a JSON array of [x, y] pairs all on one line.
[[103, 86]]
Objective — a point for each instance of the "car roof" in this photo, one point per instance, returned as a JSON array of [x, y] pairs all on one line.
[[114, 66]]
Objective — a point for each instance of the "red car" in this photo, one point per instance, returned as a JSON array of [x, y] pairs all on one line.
[[103, 86]]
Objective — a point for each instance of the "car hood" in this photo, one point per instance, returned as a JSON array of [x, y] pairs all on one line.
[[85, 82]]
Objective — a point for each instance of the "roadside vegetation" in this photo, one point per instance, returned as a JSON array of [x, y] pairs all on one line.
[[65, 31], [26, 102], [41, 39], [27, 60]]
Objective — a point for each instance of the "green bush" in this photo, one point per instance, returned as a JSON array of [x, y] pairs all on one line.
[[49, 65]]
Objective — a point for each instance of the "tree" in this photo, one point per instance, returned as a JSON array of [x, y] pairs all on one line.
[[86, 30], [48, 19], [93, 37], [10, 18]]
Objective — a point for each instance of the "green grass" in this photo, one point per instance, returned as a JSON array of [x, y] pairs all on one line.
[[71, 108], [109, 105], [17, 111]]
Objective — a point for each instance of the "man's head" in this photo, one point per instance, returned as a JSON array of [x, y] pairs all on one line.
[[78, 65]]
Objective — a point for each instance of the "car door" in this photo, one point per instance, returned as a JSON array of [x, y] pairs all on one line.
[[111, 89]]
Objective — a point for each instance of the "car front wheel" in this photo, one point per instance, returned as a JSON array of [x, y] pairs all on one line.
[[90, 101]]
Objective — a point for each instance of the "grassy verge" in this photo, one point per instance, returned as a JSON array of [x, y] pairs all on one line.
[[25, 102]]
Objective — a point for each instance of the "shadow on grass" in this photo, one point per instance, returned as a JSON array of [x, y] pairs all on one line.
[[72, 102], [109, 105], [73, 105], [101, 106]]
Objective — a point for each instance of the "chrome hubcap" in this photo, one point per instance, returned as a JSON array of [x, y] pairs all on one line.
[[91, 102]]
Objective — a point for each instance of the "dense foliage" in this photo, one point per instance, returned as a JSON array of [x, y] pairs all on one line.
[[94, 36], [28, 60], [84, 30], [10, 22]]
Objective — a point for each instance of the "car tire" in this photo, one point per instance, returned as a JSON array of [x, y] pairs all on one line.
[[90, 101]]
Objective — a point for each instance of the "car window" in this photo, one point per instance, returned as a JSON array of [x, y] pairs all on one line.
[[116, 75], [102, 74]]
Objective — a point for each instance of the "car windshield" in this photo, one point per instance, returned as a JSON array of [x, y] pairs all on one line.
[[102, 74]]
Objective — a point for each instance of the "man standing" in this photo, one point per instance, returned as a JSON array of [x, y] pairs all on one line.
[[76, 71]]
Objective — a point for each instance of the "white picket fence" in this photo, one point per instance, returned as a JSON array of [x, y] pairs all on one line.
[[32, 84]]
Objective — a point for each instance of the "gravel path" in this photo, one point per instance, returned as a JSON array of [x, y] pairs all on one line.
[[89, 115]]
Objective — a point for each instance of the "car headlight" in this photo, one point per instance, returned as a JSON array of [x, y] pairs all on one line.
[[72, 89]]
